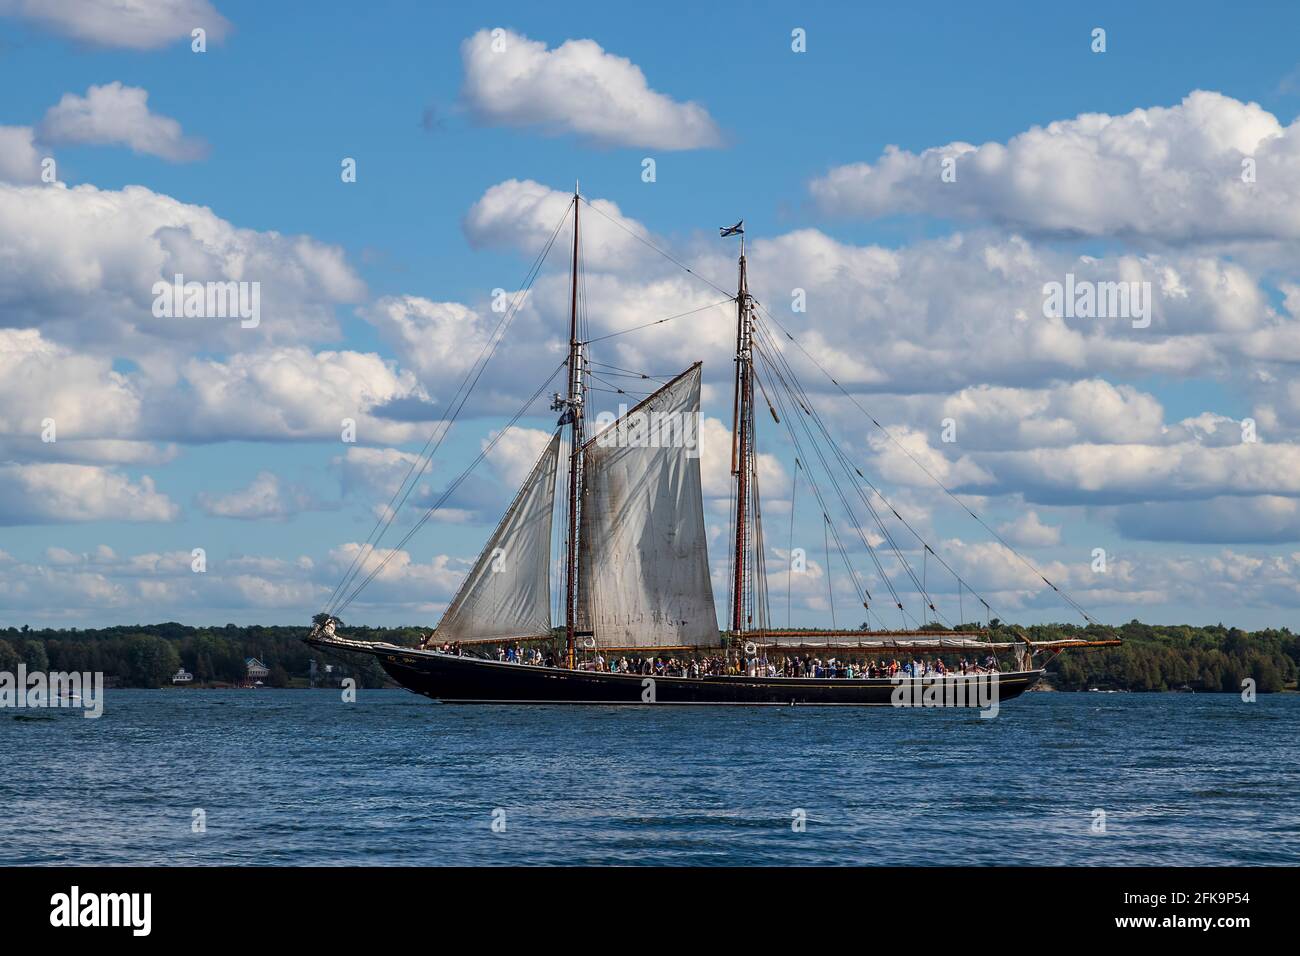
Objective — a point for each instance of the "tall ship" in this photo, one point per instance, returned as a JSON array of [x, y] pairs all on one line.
[[635, 591]]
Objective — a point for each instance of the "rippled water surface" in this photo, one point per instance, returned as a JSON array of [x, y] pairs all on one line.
[[298, 777]]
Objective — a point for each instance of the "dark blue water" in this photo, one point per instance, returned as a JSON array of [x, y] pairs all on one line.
[[298, 777]]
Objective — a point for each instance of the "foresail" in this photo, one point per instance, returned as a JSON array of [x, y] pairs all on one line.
[[644, 560], [508, 592]]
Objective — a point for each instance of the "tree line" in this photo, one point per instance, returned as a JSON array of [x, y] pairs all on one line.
[[147, 655], [1152, 658]]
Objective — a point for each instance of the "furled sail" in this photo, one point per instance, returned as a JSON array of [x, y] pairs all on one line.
[[644, 562], [508, 591]]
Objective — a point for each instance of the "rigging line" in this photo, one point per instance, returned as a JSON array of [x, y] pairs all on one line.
[[849, 510], [385, 519], [791, 381], [1025, 561], [807, 404], [863, 593], [780, 379], [620, 373], [647, 325], [758, 583], [425, 458], [451, 489], [646, 242], [614, 386], [789, 557], [618, 391], [447, 492], [830, 588]]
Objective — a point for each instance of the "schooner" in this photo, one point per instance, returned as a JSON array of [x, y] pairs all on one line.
[[636, 572]]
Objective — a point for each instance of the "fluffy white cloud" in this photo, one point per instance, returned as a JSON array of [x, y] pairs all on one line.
[[102, 586], [59, 493], [82, 394], [20, 162], [511, 80], [1109, 474], [76, 252], [267, 497], [992, 418], [522, 215], [516, 452], [101, 415], [715, 464], [908, 456], [443, 341], [1173, 173], [1029, 531], [134, 24], [286, 394], [114, 114]]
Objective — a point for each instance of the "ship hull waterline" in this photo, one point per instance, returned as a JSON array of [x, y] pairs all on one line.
[[473, 680]]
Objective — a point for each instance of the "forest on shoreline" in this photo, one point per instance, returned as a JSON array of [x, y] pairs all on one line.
[[1152, 658]]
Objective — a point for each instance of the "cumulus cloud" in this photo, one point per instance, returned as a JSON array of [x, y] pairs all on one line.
[[74, 252], [102, 586], [286, 394], [1113, 474], [908, 456], [516, 452], [579, 88], [20, 161], [133, 24], [1029, 531], [82, 395], [118, 115], [522, 215], [62, 493], [267, 497], [95, 413], [1170, 173]]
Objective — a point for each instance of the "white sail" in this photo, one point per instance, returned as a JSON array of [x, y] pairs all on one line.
[[508, 591], [644, 560]]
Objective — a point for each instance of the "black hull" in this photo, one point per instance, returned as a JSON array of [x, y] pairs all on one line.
[[471, 680]]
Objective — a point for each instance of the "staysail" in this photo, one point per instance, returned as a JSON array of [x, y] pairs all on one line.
[[508, 591], [644, 562]]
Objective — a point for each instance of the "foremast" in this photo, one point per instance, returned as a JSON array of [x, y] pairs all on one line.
[[742, 441], [574, 414]]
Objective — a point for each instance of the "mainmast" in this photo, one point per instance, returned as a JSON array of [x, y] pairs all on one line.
[[741, 441], [574, 415]]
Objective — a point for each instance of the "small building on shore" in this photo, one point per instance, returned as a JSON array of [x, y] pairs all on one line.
[[182, 676], [257, 671]]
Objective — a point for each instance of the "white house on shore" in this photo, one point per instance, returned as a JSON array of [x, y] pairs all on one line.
[[256, 669], [182, 676]]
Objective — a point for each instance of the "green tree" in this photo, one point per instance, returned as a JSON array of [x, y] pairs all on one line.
[[150, 661]]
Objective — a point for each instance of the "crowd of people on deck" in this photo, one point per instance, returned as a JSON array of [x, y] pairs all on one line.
[[750, 666], [746, 666]]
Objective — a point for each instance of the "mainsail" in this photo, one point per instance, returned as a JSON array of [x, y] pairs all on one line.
[[644, 562], [508, 591]]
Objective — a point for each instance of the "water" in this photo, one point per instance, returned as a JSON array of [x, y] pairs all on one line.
[[298, 777]]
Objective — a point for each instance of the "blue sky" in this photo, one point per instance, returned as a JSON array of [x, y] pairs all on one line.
[[281, 97]]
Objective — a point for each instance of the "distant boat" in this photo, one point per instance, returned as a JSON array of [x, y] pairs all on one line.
[[636, 570]]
